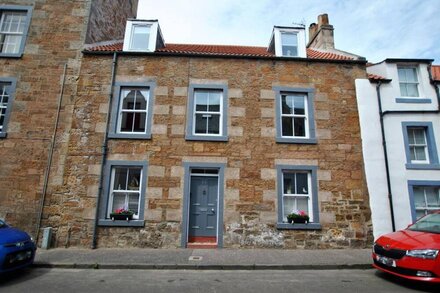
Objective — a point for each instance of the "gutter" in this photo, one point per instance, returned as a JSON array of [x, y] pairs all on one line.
[[104, 151], [206, 55]]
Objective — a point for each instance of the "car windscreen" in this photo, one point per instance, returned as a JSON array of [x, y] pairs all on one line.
[[429, 223]]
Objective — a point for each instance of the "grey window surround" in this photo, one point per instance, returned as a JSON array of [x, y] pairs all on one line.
[[418, 183], [13, 84], [190, 113], [430, 140], [113, 132], [309, 92], [186, 198], [105, 196], [28, 10], [413, 101], [315, 225]]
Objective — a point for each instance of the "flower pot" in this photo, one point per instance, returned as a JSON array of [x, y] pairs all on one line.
[[121, 217], [300, 221], [290, 220]]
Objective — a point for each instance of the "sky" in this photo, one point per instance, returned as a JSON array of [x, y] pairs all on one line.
[[375, 29]]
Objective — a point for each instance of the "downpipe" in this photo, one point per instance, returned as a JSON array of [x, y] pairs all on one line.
[[104, 152]]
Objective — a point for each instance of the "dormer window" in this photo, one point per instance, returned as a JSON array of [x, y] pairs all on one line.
[[140, 36], [143, 36], [288, 42]]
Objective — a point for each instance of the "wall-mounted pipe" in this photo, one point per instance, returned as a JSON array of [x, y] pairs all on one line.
[[385, 153], [104, 151], [49, 160]]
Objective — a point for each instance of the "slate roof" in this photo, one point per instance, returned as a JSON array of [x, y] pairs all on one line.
[[219, 50]]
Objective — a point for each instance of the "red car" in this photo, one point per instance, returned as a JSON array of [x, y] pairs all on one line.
[[412, 253]]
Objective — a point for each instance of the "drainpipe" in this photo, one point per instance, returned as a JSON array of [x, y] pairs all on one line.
[[385, 153], [104, 150], [49, 160]]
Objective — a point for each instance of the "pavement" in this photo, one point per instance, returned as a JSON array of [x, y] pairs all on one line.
[[204, 259]]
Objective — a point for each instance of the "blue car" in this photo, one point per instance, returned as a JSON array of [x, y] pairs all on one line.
[[17, 248]]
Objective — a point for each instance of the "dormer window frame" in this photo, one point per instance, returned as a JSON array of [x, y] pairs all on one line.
[[130, 30], [301, 41]]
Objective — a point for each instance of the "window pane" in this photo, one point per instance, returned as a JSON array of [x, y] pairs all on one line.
[[412, 90], [140, 37], [289, 39], [412, 151], [290, 51], [141, 100], [287, 126], [411, 75], [432, 197], [200, 126], [411, 136], [128, 99], [420, 153], [214, 102], [139, 122], [134, 178], [201, 101], [287, 104], [214, 124], [118, 201], [403, 90], [419, 136], [120, 178], [289, 183], [300, 127], [302, 186], [133, 202], [288, 206], [420, 213], [127, 122], [419, 197], [11, 44], [302, 204], [402, 74], [299, 105]]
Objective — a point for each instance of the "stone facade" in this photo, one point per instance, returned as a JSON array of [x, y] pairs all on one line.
[[56, 37], [251, 153]]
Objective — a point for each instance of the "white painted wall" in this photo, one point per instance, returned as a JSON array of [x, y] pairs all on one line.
[[373, 149]]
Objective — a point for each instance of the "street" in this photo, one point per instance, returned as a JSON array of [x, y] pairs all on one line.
[[89, 280]]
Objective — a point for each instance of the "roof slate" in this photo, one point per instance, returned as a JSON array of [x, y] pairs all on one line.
[[220, 50]]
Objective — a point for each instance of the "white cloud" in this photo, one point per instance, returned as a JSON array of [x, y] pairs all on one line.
[[375, 29]]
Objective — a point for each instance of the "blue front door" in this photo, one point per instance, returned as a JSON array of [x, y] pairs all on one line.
[[203, 206]]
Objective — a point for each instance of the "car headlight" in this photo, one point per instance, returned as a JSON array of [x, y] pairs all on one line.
[[423, 253]]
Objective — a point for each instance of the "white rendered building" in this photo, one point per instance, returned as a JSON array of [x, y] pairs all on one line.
[[400, 128]]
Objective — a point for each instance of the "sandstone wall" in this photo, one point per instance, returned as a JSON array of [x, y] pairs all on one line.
[[250, 200]]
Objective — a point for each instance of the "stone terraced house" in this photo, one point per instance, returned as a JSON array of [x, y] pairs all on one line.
[[208, 146]]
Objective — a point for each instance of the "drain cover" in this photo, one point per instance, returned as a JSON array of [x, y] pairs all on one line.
[[196, 258]]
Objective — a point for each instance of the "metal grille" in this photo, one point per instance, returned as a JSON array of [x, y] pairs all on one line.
[[392, 253]]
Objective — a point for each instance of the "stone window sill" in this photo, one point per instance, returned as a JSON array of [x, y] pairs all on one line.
[[110, 223], [206, 138], [410, 166], [413, 101], [296, 140], [309, 226]]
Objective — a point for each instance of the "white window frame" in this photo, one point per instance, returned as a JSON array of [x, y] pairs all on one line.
[[413, 146], [206, 113], [300, 33], [121, 110], [296, 196], [112, 190], [284, 44], [292, 116], [7, 33], [4, 105], [129, 30], [414, 68]]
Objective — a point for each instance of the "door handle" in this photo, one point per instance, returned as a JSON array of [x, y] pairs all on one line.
[[213, 211]]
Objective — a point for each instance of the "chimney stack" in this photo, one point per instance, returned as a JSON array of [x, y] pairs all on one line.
[[321, 34]]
